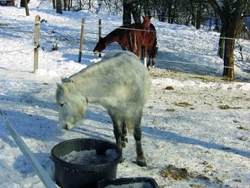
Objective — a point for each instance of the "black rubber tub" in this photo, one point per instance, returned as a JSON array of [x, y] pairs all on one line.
[[71, 175], [135, 182]]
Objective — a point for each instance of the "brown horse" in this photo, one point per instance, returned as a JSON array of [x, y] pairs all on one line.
[[126, 38], [143, 35]]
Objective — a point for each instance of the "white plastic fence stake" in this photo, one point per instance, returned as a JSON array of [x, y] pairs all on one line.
[[30, 156]]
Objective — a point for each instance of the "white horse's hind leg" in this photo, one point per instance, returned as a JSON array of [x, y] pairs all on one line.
[[140, 160]]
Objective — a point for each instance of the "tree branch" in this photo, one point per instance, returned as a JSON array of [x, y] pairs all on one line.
[[217, 9]]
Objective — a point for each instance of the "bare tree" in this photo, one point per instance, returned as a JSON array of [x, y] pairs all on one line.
[[131, 7], [126, 12], [231, 15], [59, 6]]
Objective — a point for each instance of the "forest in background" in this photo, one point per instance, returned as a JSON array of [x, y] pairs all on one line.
[[229, 17]]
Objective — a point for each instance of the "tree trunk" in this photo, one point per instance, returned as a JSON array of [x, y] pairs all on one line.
[[89, 4], [231, 17], [231, 34], [136, 11], [170, 14], [193, 12], [136, 16], [229, 58], [53, 4], [198, 17], [126, 13], [65, 3], [221, 50], [161, 13], [217, 27], [22, 3], [59, 6]]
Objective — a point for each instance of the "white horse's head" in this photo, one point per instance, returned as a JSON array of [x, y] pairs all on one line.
[[72, 105]]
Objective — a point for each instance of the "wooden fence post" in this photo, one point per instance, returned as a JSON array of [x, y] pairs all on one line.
[[36, 41], [81, 40], [100, 32], [100, 28]]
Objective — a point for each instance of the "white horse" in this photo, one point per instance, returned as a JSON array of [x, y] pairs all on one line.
[[120, 83]]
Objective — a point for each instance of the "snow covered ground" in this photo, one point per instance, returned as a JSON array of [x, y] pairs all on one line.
[[194, 120]]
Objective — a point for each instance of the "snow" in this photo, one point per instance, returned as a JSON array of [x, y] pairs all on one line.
[[89, 157], [202, 124]]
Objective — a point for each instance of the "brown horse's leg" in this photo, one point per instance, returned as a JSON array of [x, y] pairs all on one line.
[[142, 52], [153, 63], [154, 56], [145, 56], [149, 62], [150, 57]]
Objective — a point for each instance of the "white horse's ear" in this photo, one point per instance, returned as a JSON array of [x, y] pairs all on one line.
[[62, 78], [60, 86]]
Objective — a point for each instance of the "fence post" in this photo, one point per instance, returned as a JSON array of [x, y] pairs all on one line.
[[81, 40], [100, 32], [100, 28], [36, 41]]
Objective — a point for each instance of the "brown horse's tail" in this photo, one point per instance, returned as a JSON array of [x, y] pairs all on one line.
[[153, 54], [154, 49], [132, 40]]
